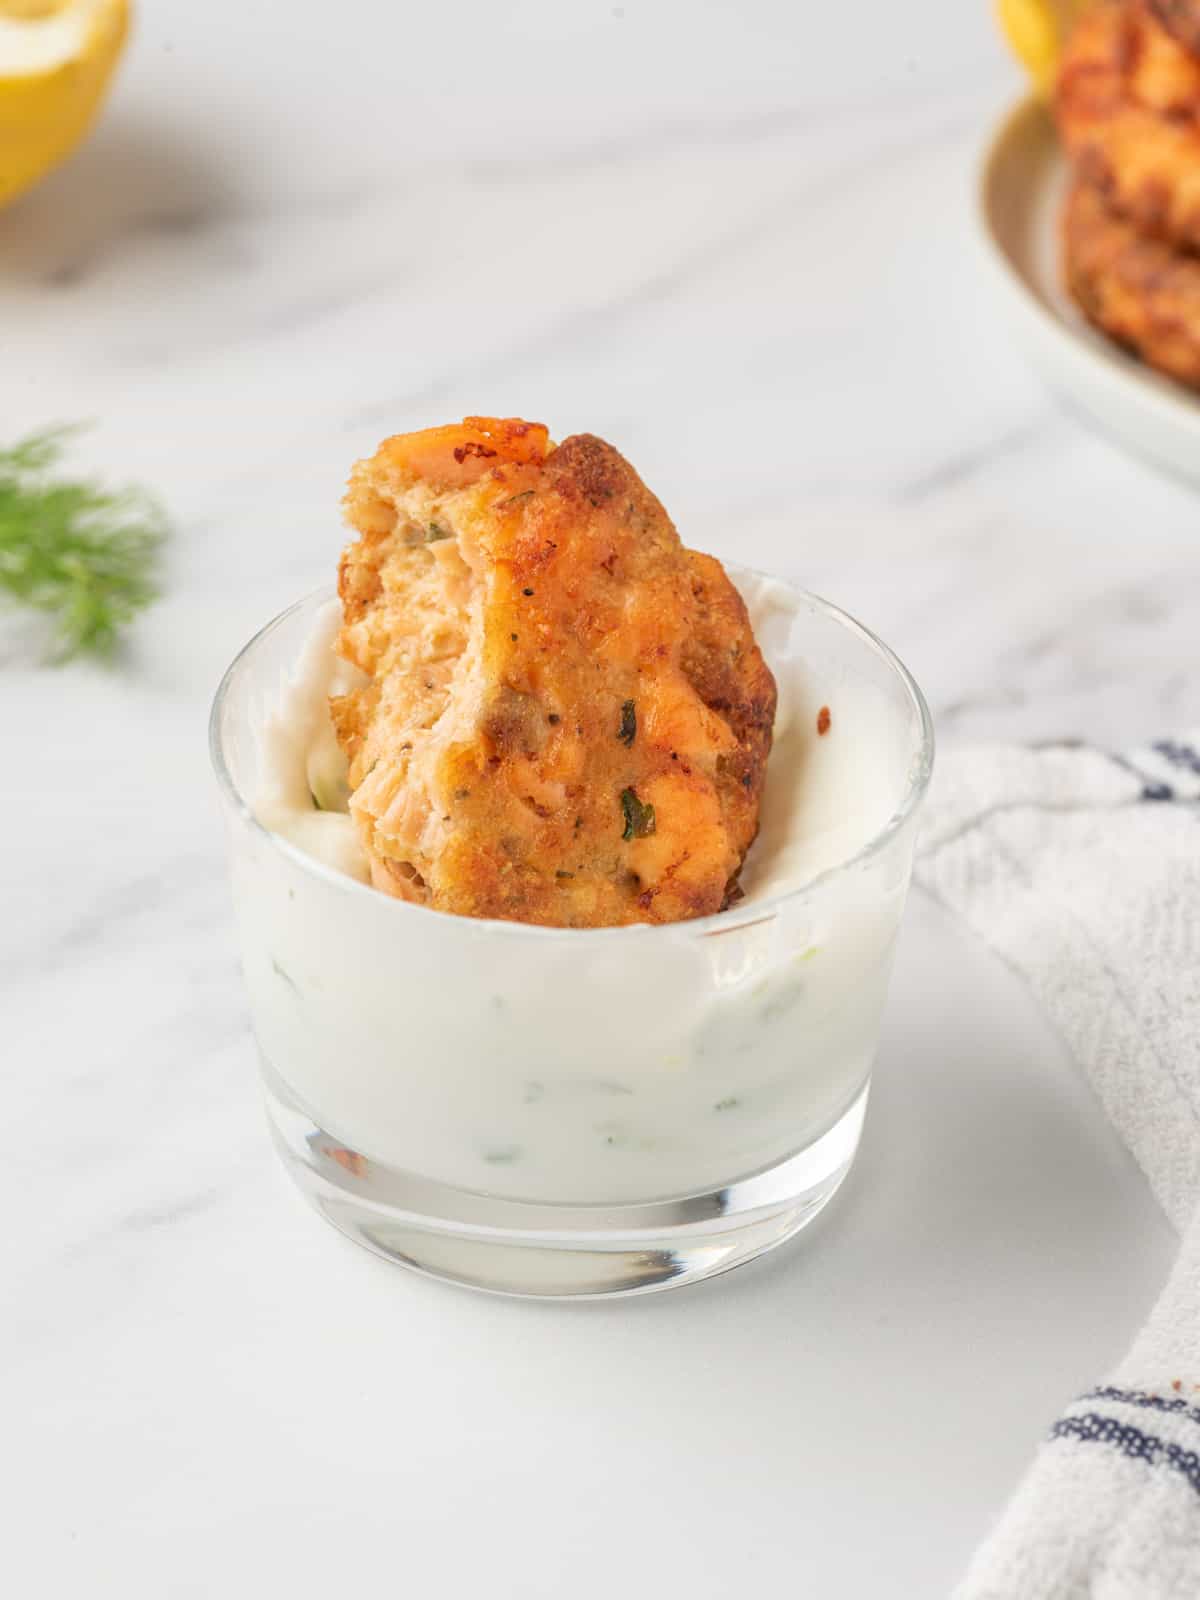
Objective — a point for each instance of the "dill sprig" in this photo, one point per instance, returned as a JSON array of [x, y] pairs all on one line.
[[83, 554]]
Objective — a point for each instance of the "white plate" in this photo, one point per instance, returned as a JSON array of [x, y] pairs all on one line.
[[1021, 188]]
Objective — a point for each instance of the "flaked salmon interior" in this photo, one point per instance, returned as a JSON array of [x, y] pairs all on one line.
[[421, 644]]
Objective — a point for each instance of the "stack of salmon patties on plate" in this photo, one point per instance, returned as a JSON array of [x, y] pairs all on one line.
[[1127, 105]]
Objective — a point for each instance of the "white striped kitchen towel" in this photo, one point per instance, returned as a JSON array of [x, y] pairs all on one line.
[[1083, 871]]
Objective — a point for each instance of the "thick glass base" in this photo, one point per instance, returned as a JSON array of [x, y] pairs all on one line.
[[557, 1251]]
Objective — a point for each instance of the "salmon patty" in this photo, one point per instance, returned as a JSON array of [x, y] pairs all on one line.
[[566, 719], [1139, 291], [1127, 105]]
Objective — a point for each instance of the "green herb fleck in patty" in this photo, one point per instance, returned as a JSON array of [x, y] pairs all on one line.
[[639, 819]]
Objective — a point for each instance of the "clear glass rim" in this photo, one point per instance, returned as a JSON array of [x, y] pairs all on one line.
[[920, 771]]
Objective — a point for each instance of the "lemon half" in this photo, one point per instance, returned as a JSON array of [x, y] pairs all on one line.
[[56, 59], [1036, 31]]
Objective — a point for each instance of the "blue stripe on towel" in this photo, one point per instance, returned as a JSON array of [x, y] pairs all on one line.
[[1179, 755], [1168, 769], [1176, 1406], [1130, 1441], [1151, 788]]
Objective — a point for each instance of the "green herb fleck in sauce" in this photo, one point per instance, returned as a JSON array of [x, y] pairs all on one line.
[[502, 1155], [330, 794], [627, 732], [781, 1001]]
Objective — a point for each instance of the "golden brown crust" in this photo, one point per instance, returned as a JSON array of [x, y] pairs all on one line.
[[1128, 109], [1181, 19], [1139, 291], [589, 748]]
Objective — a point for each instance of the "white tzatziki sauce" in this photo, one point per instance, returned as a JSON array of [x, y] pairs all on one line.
[[591, 1066]]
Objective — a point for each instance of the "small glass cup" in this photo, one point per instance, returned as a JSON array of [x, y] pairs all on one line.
[[577, 1112]]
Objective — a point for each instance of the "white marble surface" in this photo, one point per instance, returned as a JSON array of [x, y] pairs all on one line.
[[737, 242]]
